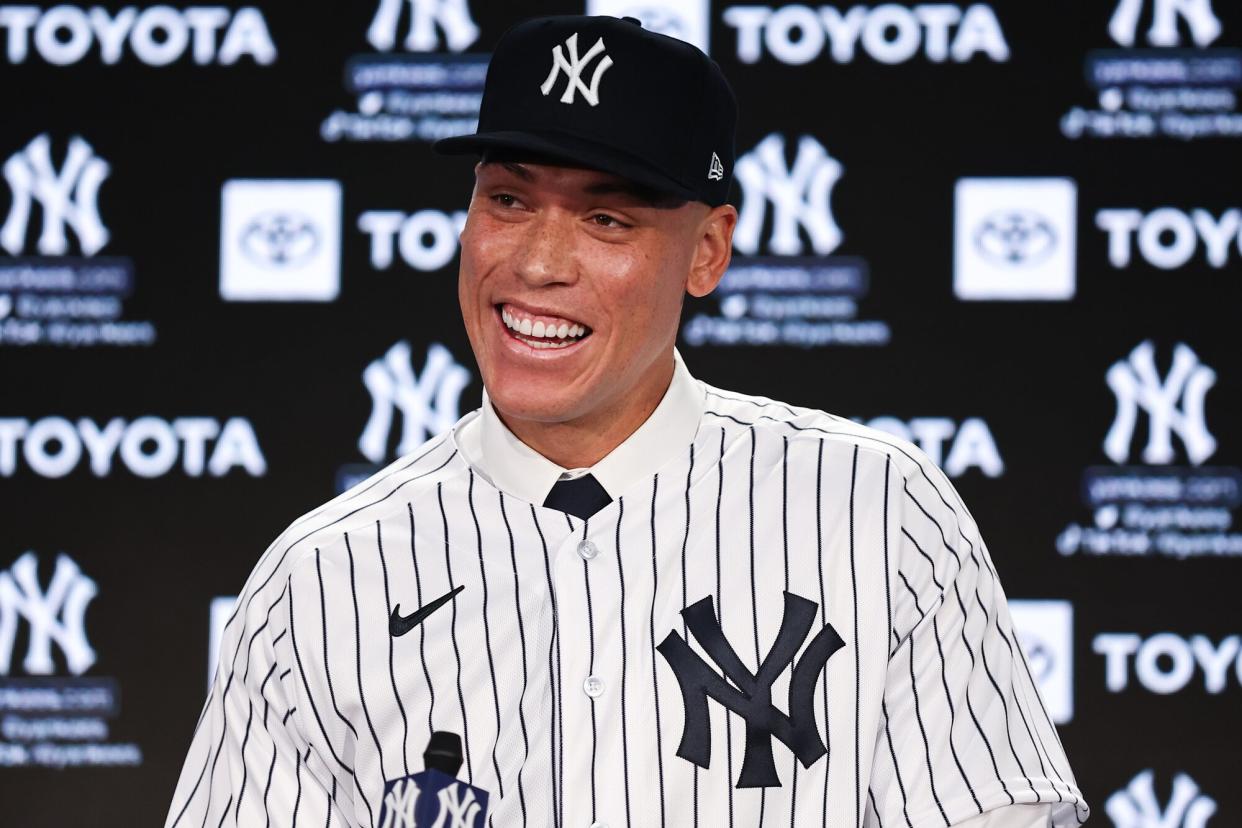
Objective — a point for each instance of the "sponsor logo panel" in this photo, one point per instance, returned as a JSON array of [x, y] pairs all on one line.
[[64, 35], [788, 287], [1158, 507], [1045, 629], [1138, 805], [55, 288], [54, 447], [888, 33], [280, 240], [688, 20], [52, 713], [955, 446], [1168, 79], [428, 403], [419, 84], [1014, 238]]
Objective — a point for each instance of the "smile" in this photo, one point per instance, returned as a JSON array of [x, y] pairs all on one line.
[[540, 331]]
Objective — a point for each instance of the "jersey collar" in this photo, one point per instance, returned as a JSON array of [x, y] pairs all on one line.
[[515, 467]]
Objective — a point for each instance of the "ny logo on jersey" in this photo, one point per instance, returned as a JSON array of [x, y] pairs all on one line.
[[453, 17], [428, 403], [1204, 24], [750, 694], [68, 197], [432, 799], [1136, 384], [799, 196], [57, 614], [573, 68], [1137, 807]]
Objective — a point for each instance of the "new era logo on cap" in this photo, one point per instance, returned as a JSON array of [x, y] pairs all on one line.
[[716, 171], [573, 69]]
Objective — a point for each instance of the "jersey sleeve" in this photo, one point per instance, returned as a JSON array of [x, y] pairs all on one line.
[[248, 764], [962, 729]]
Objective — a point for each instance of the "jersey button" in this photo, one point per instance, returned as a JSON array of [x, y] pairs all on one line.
[[587, 550], [593, 686]]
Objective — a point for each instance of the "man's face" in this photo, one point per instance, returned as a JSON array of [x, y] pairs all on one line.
[[571, 286]]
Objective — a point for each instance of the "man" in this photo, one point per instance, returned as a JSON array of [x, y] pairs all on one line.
[[613, 595]]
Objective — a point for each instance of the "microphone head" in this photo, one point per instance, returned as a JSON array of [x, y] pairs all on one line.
[[443, 753]]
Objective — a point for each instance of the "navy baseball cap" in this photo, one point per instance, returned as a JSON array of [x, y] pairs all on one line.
[[605, 93]]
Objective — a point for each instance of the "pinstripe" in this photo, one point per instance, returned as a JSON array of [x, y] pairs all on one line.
[[685, 540], [557, 740], [461, 698], [271, 770], [857, 655], [655, 585], [720, 612], [362, 697], [392, 671], [241, 793], [327, 669], [422, 630], [754, 597], [918, 715], [823, 604], [517, 606], [625, 738], [297, 800], [487, 634], [586, 577], [793, 795], [888, 734]]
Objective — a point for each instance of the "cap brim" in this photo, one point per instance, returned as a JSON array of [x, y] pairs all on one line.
[[579, 151]]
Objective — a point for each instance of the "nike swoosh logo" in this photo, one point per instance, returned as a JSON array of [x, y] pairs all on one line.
[[399, 626]]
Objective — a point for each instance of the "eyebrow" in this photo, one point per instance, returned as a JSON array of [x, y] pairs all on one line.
[[649, 196]]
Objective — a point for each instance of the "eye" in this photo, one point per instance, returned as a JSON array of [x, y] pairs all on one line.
[[505, 199], [605, 220]]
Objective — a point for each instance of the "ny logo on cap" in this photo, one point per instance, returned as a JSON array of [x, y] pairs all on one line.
[[573, 69]]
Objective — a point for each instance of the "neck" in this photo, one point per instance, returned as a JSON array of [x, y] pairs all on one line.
[[584, 441]]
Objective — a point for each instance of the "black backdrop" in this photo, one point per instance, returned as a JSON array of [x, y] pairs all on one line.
[[1144, 574]]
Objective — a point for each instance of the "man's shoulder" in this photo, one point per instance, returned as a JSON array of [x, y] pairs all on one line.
[[807, 427], [384, 493]]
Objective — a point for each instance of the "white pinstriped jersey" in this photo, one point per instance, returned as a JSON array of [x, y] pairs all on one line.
[[927, 713]]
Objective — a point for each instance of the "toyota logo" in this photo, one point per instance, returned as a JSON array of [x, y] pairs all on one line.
[[278, 240], [1015, 237], [1040, 657]]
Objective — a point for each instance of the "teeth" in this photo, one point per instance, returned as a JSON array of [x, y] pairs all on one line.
[[540, 334]]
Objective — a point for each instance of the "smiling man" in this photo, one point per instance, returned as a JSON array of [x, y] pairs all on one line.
[[630, 598]]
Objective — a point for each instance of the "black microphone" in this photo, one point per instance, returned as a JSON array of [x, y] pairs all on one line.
[[443, 753]]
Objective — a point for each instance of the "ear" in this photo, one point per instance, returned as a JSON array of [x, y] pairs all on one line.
[[713, 250]]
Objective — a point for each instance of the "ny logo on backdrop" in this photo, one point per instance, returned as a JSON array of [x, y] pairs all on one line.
[[452, 17], [57, 614], [1137, 384], [1137, 806], [750, 694], [428, 402], [799, 196], [68, 197], [1204, 25], [573, 69]]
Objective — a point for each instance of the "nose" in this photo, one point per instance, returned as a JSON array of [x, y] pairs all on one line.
[[545, 254]]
